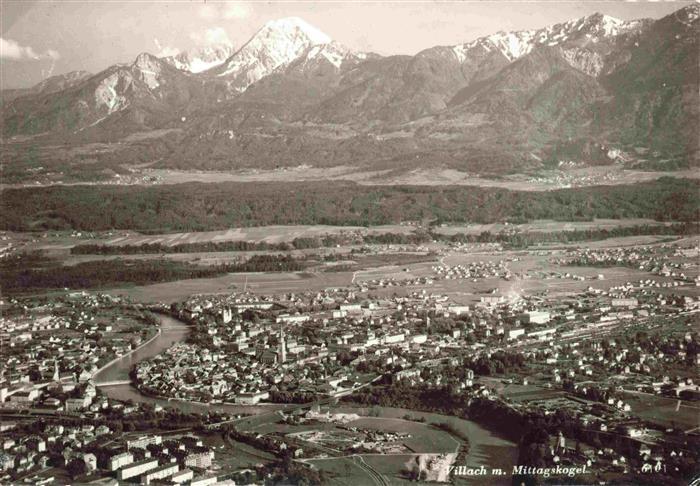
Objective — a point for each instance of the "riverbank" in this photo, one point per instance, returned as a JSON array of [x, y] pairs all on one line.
[[112, 362], [170, 331]]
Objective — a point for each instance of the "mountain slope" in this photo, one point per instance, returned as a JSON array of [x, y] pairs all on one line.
[[655, 103], [399, 91], [314, 75], [127, 97], [51, 84]]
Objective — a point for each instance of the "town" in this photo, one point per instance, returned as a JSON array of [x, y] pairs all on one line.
[[607, 363]]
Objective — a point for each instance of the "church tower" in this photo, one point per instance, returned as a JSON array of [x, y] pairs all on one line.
[[56, 374], [283, 347]]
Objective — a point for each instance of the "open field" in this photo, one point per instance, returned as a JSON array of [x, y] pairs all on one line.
[[53, 240], [667, 412], [544, 180], [424, 439], [532, 274], [267, 234], [532, 271], [398, 272], [342, 471], [299, 173], [619, 242], [260, 283], [545, 226]]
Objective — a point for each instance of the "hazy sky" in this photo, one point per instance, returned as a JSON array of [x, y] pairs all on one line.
[[40, 38]]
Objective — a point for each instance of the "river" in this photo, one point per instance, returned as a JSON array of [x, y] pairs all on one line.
[[172, 331]]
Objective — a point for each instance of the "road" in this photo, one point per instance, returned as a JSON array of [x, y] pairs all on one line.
[[376, 477]]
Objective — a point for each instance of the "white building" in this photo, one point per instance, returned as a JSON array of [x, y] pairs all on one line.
[[204, 481], [536, 317], [136, 469], [515, 333], [182, 476], [201, 460], [120, 460], [159, 473], [142, 442]]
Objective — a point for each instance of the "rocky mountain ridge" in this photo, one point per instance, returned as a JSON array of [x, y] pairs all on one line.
[[574, 91]]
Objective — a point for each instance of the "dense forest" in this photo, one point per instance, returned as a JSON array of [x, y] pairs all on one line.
[[197, 207]]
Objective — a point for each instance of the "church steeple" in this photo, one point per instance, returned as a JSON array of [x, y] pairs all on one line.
[[283, 347], [56, 373]]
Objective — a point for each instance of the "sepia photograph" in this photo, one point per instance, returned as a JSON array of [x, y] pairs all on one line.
[[350, 243]]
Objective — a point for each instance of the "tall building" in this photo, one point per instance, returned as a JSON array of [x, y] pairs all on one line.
[[56, 373], [283, 347]]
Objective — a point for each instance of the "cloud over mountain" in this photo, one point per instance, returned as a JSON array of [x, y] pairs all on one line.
[[225, 10], [10, 49]]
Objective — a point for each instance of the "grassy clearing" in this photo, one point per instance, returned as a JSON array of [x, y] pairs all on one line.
[[342, 471], [545, 226], [665, 411], [424, 438]]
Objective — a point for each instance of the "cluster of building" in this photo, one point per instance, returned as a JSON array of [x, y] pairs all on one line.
[[474, 271], [566, 177], [142, 458], [151, 459], [60, 344], [658, 260], [249, 349], [380, 283], [596, 384], [245, 348], [56, 444]]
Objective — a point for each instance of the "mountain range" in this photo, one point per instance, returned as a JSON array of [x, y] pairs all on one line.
[[201, 58], [594, 90]]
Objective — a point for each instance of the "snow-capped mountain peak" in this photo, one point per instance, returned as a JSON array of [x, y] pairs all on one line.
[[293, 27], [514, 45], [201, 58], [276, 44]]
